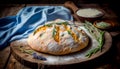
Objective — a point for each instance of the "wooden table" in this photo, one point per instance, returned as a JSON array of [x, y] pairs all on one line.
[[110, 60]]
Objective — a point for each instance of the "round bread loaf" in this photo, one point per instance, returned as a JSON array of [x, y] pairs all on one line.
[[58, 38]]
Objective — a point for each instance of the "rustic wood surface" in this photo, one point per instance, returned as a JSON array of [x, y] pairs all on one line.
[[21, 51], [110, 60]]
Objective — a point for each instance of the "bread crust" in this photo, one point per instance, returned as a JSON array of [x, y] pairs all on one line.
[[44, 40]]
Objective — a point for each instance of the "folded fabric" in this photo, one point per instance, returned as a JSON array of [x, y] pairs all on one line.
[[27, 19]]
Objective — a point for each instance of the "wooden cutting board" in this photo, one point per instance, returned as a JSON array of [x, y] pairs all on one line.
[[23, 53]]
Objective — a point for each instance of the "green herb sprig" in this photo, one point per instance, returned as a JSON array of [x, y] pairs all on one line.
[[54, 32], [69, 32], [41, 34], [34, 32], [28, 51], [97, 34], [49, 25], [65, 23]]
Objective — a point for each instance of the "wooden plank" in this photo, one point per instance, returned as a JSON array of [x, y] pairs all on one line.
[[44, 4], [109, 13], [14, 64], [7, 10], [10, 10], [20, 50], [4, 56]]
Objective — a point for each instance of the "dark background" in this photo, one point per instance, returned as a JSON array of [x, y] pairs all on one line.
[[113, 4], [109, 58], [56, 1]]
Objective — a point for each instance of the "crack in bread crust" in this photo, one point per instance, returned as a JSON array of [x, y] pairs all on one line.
[[58, 39]]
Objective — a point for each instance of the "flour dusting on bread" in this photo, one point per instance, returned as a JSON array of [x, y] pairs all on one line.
[[58, 37]]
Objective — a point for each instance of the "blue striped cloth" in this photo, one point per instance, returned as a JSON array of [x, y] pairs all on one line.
[[27, 19]]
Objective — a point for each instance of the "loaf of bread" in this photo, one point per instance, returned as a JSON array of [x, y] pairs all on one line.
[[58, 37]]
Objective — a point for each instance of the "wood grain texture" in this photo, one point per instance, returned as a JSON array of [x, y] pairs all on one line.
[[4, 57], [20, 47], [44, 4], [108, 61], [14, 64], [10, 10]]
